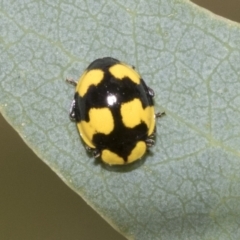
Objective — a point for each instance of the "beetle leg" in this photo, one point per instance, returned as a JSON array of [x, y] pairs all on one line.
[[71, 81], [96, 153], [88, 148], [159, 114], [152, 136], [150, 141], [151, 92], [72, 111]]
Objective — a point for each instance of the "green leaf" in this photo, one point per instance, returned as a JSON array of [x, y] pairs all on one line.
[[189, 186]]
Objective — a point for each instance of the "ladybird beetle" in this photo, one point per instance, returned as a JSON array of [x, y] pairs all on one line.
[[113, 109]]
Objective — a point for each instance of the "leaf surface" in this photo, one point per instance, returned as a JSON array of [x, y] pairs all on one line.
[[188, 187]]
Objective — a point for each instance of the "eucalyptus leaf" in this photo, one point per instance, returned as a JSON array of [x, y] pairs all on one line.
[[188, 186]]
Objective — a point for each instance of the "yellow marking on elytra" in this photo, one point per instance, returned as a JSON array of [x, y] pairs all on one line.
[[121, 70], [86, 131], [92, 77], [137, 152], [100, 121], [111, 158], [133, 114]]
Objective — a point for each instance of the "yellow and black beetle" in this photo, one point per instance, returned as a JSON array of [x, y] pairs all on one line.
[[113, 108]]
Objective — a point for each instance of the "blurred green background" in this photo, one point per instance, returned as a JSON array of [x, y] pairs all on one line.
[[35, 204]]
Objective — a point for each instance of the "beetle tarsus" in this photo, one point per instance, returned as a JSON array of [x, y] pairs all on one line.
[[96, 153], [159, 114], [72, 114], [71, 81], [150, 142], [151, 92]]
